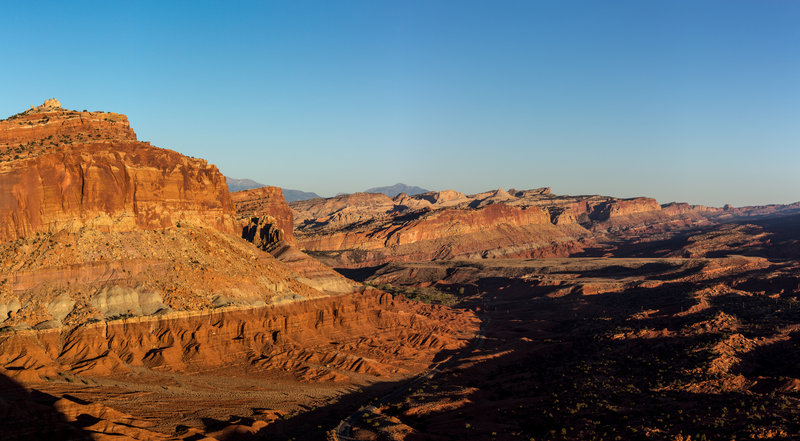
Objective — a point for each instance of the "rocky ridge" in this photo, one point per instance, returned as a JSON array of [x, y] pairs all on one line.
[[371, 229]]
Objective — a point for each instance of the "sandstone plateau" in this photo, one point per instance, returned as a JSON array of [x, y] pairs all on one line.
[[362, 229]]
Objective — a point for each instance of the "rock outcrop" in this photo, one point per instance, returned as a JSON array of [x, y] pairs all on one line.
[[443, 198], [348, 340], [368, 230], [263, 232], [95, 225], [623, 207], [87, 169], [267, 223], [342, 210], [497, 230], [47, 127], [242, 335], [257, 202]]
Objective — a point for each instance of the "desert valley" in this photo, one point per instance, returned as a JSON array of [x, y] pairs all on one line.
[[141, 299]]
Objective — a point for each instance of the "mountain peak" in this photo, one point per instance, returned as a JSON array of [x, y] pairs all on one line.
[[396, 189]]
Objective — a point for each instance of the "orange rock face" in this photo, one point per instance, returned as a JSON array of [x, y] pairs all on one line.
[[467, 222], [368, 230], [623, 207], [433, 226], [266, 200], [43, 129], [451, 224], [304, 348], [87, 169], [676, 209], [96, 225], [343, 210], [262, 337], [371, 229], [497, 230]]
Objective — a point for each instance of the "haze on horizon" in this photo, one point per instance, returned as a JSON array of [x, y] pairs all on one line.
[[681, 100]]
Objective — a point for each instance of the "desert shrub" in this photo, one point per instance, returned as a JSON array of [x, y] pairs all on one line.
[[424, 294]]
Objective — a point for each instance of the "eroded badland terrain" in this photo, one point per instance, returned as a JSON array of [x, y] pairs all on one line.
[[139, 299]]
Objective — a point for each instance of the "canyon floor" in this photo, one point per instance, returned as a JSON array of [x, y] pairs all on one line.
[[610, 348]]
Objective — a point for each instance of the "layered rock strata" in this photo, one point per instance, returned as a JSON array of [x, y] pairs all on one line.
[[256, 336], [87, 169], [371, 229], [95, 225], [255, 203], [120, 261]]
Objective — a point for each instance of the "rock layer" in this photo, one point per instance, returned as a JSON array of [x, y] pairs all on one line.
[[95, 225], [351, 340], [122, 265], [367, 230], [266, 201], [92, 172], [257, 336]]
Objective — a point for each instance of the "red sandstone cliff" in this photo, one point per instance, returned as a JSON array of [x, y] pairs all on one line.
[[96, 225], [45, 127], [624, 207], [355, 230], [496, 230], [265, 201], [84, 168]]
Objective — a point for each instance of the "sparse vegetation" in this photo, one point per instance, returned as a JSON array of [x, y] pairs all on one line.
[[424, 294]]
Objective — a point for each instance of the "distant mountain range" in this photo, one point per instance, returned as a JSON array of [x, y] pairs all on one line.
[[298, 195], [288, 194], [396, 189], [242, 184]]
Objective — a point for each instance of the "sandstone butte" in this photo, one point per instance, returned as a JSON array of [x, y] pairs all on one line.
[[118, 255], [66, 169]]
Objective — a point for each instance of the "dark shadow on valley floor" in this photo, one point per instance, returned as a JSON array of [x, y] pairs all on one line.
[[30, 415]]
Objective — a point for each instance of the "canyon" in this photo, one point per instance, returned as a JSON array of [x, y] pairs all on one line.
[[366, 229], [602, 318]]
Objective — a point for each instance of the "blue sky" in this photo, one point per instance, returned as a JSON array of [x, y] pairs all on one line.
[[694, 101]]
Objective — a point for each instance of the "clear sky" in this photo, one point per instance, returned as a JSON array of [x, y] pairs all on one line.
[[692, 100]]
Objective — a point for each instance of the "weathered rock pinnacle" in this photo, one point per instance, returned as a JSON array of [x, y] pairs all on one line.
[[51, 103]]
